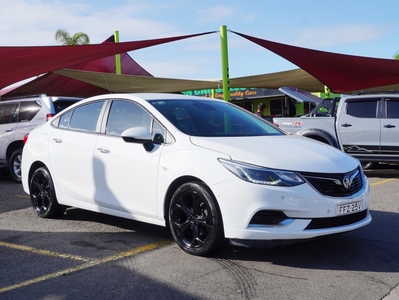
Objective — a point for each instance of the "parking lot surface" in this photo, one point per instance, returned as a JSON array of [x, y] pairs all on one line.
[[86, 255]]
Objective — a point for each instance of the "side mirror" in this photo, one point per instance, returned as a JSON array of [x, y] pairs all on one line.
[[139, 135]]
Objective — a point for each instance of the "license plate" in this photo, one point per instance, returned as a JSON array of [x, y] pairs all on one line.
[[349, 208]]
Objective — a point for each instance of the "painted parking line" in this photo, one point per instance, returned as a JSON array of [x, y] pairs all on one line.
[[382, 181], [44, 252], [86, 265]]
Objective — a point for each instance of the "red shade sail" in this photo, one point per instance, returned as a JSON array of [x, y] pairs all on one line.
[[340, 72], [54, 84], [19, 63]]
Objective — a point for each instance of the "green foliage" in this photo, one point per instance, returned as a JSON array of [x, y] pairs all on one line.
[[396, 56], [63, 36]]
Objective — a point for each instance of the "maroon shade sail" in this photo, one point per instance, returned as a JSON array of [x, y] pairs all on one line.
[[339, 72], [19, 63], [56, 85]]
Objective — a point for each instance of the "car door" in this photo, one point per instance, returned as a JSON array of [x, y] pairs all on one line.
[[126, 173], [390, 128], [71, 147], [358, 126]]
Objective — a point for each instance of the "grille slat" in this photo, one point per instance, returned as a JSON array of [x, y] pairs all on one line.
[[332, 184], [319, 223]]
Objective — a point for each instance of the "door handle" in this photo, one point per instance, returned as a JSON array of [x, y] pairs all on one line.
[[346, 125], [10, 130], [58, 141], [389, 126]]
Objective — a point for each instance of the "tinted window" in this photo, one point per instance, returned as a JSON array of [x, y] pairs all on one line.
[[85, 117], [60, 105], [27, 110], [124, 115], [393, 109], [363, 109], [213, 118], [8, 113]]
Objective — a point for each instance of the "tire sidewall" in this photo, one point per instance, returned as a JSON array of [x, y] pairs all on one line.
[[54, 209], [17, 153], [216, 235]]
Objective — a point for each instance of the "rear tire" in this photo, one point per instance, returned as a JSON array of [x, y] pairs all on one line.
[[42, 195], [14, 165], [195, 220]]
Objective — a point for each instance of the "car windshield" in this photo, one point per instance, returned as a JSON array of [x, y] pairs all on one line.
[[213, 118]]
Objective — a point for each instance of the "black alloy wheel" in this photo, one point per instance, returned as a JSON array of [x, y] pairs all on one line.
[[195, 219], [14, 165], [42, 195]]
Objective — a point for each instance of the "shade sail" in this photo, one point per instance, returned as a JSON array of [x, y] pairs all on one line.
[[53, 84], [130, 84], [340, 72], [19, 63], [114, 83], [297, 77]]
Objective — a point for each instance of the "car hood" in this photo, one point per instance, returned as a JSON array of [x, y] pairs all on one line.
[[293, 152]]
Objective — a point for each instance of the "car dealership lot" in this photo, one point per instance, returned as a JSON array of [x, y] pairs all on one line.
[[89, 255]]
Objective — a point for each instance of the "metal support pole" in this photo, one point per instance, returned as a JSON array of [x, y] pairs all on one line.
[[225, 63], [118, 69]]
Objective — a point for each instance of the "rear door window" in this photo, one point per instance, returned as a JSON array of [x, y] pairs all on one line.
[[85, 117], [392, 109], [363, 109]]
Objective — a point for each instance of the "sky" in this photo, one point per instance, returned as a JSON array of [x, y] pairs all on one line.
[[354, 27]]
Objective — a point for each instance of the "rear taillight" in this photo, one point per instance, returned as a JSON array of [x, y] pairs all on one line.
[[49, 116], [26, 138]]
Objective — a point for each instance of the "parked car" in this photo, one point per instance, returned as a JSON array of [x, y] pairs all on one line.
[[206, 168], [364, 125], [18, 116]]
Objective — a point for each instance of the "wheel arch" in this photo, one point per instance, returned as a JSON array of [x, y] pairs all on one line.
[[320, 135], [12, 147], [174, 186], [36, 165]]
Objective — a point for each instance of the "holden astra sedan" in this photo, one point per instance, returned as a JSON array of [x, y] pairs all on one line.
[[205, 168]]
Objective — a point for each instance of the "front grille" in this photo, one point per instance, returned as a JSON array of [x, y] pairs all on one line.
[[332, 184], [319, 223]]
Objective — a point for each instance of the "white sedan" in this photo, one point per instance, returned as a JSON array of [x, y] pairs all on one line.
[[205, 168]]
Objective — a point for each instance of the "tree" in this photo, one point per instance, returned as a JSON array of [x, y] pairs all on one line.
[[79, 38], [396, 56]]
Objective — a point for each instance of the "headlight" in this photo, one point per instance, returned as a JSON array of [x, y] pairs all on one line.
[[261, 175]]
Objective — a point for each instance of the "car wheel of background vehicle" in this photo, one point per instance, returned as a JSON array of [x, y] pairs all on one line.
[[195, 220], [14, 165], [42, 195]]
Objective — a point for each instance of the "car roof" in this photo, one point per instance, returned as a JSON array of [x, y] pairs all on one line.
[[151, 96]]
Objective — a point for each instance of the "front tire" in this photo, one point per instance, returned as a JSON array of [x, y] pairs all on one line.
[[195, 220], [42, 195], [14, 165]]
